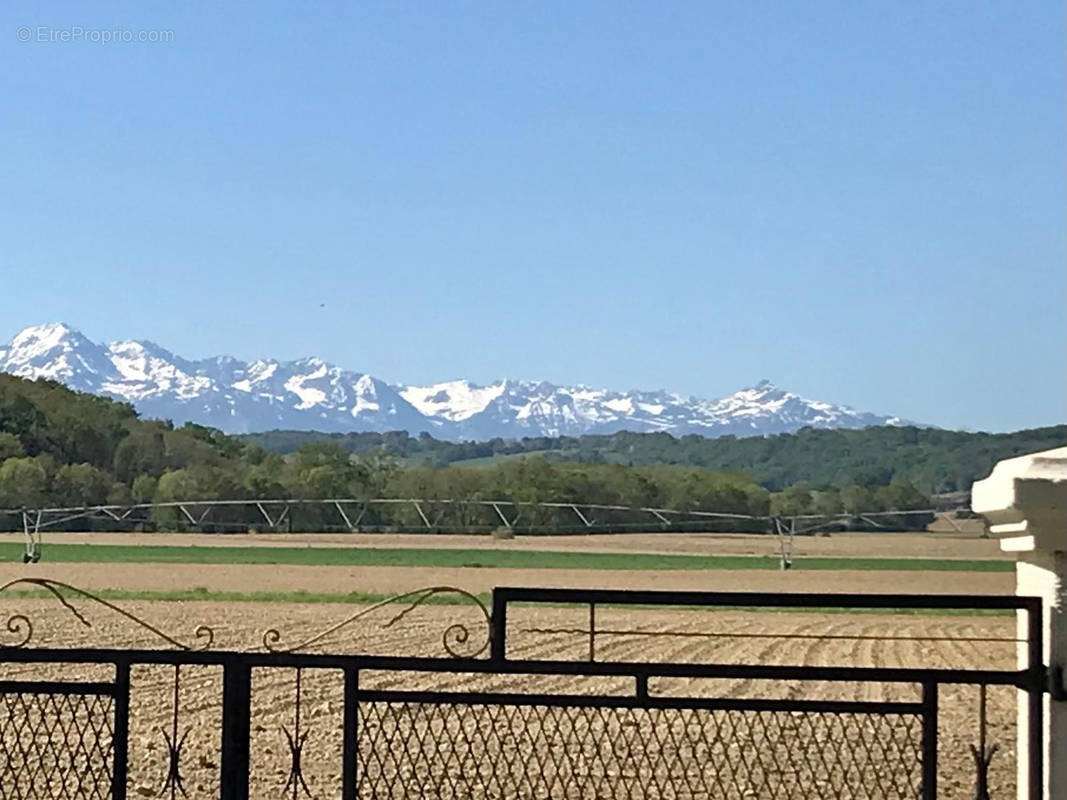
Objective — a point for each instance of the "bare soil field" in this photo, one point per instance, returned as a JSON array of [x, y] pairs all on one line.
[[865, 545], [412, 750], [443, 751], [251, 578]]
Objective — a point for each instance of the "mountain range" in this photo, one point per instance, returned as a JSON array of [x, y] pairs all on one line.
[[311, 394]]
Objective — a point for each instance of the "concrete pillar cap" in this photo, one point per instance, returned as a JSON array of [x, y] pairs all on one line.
[[1027, 495]]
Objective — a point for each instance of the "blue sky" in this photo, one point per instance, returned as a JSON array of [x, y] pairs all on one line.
[[864, 202]]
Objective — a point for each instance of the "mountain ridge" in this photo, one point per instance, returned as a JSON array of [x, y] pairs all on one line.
[[311, 394]]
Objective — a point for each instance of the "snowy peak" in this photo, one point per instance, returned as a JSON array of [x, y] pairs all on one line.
[[146, 369], [769, 409], [454, 400], [312, 394], [58, 352], [40, 340]]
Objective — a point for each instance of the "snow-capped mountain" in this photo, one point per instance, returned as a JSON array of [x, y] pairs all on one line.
[[522, 408], [310, 394], [238, 397]]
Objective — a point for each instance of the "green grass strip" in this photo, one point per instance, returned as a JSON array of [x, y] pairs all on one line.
[[489, 559]]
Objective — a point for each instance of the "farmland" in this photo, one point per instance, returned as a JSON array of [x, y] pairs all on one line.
[[328, 567], [302, 597]]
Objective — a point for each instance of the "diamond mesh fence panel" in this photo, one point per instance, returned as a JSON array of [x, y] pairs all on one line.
[[56, 746], [457, 750]]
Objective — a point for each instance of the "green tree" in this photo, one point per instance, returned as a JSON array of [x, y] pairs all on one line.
[[142, 452], [759, 500], [379, 465], [793, 501], [23, 482], [10, 446], [901, 495], [226, 446], [325, 469], [173, 486], [81, 485], [143, 489], [828, 502], [857, 499], [178, 484], [119, 495], [20, 417], [265, 478]]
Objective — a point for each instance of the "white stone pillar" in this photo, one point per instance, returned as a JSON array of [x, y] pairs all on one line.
[[1027, 496]]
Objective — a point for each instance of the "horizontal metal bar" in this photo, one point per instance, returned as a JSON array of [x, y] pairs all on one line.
[[860, 513], [630, 702], [57, 687], [515, 594], [818, 637], [1023, 679]]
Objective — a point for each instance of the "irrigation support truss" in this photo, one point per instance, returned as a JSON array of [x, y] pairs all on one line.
[[752, 745], [350, 512]]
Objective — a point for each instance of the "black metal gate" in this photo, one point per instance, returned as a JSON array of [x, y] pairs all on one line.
[[63, 739], [421, 733]]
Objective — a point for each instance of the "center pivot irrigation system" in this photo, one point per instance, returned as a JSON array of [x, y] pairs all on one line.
[[435, 515]]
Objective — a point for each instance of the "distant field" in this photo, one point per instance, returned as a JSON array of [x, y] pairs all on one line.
[[314, 568], [474, 558], [940, 545]]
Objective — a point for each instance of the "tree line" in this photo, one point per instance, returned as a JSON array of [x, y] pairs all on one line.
[[934, 461], [60, 448]]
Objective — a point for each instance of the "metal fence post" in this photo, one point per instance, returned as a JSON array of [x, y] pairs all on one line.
[[236, 718], [350, 737], [121, 737], [498, 625], [929, 746]]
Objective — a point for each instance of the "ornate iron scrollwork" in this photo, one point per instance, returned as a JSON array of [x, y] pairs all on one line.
[[22, 626], [296, 741], [175, 743], [982, 759], [456, 635]]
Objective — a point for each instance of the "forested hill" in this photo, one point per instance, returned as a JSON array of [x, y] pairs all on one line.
[[934, 460]]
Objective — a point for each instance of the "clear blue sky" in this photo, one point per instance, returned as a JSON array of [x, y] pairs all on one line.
[[864, 202]]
